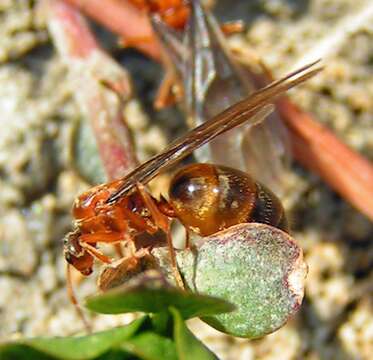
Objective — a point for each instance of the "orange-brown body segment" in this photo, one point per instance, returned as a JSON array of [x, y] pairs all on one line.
[[208, 198]]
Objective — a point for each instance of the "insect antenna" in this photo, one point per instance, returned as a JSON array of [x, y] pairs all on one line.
[[74, 300]]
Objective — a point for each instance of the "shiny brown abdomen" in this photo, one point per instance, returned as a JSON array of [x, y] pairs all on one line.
[[208, 198]]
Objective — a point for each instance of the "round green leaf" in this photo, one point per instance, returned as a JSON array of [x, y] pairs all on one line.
[[256, 267]]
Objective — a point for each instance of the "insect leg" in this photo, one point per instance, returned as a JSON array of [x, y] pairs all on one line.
[[102, 236], [187, 238], [118, 249], [134, 41], [96, 253], [106, 237], [163, 222], [232, 27], [165, 96], [175, 270]]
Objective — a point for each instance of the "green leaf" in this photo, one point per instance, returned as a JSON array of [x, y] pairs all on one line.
[[18, 351], [162, 323], [150, 293], [187, 345], [74, 348], [258, 268], [116, 354], [151, 346]]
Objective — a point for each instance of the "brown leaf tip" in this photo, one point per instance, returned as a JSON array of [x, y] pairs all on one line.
[[296, 278]]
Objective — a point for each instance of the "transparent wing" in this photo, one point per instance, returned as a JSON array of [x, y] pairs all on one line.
[[212, 81], [249, 110]]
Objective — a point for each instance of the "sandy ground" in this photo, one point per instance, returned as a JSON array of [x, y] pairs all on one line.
[[38, 179]]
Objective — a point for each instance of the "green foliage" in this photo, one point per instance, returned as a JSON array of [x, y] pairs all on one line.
[[150, 294], [151, 346], [70, 348], [187, 345], [160, 336], [256, 267]]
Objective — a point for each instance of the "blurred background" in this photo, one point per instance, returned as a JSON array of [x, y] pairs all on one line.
[[39, 175]]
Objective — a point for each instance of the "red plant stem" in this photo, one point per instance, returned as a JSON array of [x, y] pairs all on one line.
[[125, 20], [88, 68], [71, 27], [314, 146]]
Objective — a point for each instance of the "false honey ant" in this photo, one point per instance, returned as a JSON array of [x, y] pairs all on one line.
[[205, 198]]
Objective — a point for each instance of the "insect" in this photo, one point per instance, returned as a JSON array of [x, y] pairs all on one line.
[[174, 13], [119, 211]]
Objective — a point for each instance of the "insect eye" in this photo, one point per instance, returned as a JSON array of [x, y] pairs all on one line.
[[68, 257]]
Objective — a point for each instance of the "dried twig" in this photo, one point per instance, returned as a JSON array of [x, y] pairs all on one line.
[[314, 146]]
